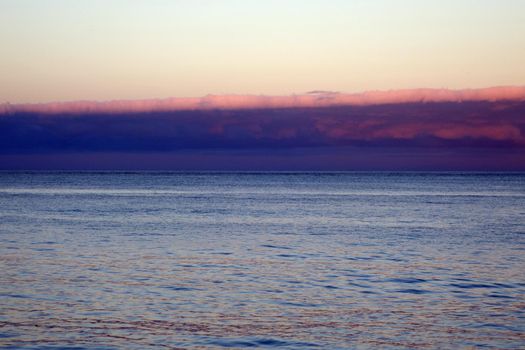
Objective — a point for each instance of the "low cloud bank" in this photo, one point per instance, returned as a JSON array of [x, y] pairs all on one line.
[[484, 128], [312, 99]]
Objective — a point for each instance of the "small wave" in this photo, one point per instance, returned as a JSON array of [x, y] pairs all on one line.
[[274, 246], [247, 192], [256, 343], [413, 291], [181, 288], [472, 285], [406, 280]]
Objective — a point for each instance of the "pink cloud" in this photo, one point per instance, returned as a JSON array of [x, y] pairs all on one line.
[[237, 102], [493, 132], [406, 130]]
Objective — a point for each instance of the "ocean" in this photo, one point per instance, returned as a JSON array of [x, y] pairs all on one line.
[[160, 260]]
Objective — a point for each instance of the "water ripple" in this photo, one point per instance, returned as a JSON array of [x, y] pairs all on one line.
[[291, 261]]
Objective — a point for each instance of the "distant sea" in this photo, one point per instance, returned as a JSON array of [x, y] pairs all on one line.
[[153, 260]]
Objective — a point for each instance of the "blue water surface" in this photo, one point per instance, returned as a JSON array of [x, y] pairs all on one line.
[[262, 260]]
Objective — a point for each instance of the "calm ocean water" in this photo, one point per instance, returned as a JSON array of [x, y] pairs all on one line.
[[294, 261]]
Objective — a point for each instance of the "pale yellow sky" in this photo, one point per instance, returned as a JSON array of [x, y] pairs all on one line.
[[59, 50]]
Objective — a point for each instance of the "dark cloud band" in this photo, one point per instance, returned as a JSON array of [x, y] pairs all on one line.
[[491, 130]]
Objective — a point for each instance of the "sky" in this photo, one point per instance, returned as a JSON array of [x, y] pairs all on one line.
[[60, 50], [262, 85]]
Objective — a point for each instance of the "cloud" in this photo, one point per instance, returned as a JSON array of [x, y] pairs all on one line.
[[487, 126], [233, 102]]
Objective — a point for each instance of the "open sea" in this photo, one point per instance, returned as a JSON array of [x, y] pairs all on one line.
[[152, 260]]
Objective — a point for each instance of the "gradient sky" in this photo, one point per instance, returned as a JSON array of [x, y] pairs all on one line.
[[60, 50]]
